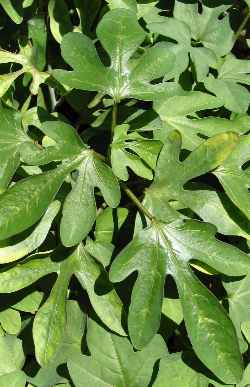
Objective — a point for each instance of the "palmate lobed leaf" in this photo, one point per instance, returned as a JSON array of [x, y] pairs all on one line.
[[121, 35], [166, 249], [133, 151], [172, 176]]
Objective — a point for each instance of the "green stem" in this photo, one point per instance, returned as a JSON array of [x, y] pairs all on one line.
[[138, 204], [242, 26], [127, 190], [113, 125], [114, 120]]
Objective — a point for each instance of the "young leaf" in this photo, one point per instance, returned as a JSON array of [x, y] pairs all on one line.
[[34, 240], [141, 158], [79, 210], [119, 365], [25, 60]]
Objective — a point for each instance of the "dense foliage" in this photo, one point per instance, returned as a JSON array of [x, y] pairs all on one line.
[[124, 193]]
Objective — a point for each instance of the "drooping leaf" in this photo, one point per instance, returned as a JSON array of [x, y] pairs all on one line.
[[119, 365]]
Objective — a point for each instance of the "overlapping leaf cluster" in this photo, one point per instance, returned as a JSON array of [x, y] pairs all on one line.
[[124, 193]]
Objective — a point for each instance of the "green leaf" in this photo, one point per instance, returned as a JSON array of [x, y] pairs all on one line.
[[71, 345], [235, 180], [13, 379], [13, 9], [119, 365], [25, 274], [59, 17], [29, 303], [65, 144], [175, 107], [133, 151], [79, 210], [12, 139], [11, 354], [128, 4], [50, 321], [174, 372], [10, 321], [25, 59], [211, 27], [238, 299], [105, 302], [200, 34], [108, 222], [167, 248], [34, 240], [26, 201], [121, 35], [232, 73], [171, 179], [171, 307]]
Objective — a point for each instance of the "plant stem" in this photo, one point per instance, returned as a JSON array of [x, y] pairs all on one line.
[[113, 125], [242, 26], [138, 204], [114, 120]]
